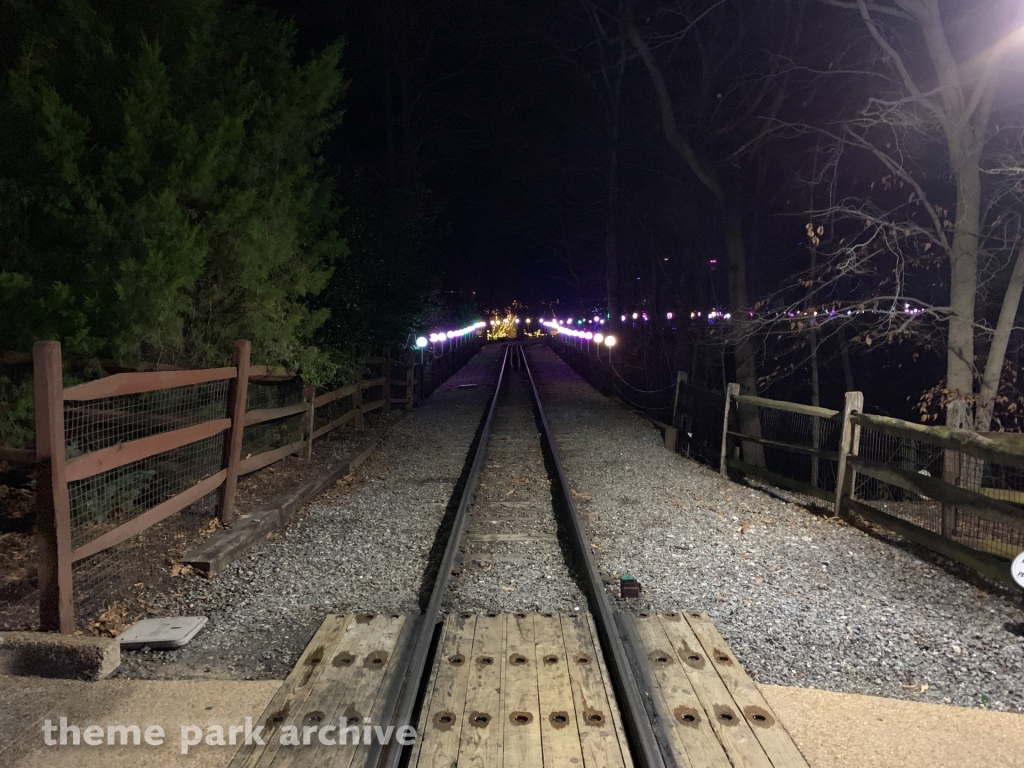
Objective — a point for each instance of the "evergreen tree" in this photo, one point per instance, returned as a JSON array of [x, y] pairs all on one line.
[[160, 184]]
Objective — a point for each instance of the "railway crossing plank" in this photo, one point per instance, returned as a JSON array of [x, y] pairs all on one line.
[[721, 710], [480, 746], [521, 699], [364, 696], [559, 726], [441, 722], [352, 662], [295, 690], [600, 732], [770, 732], [692, 737]]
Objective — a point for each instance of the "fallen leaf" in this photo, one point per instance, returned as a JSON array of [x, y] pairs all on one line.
[[509, 589], [758, 581]]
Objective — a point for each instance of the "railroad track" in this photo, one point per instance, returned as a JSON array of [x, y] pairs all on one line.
[[584, 686]]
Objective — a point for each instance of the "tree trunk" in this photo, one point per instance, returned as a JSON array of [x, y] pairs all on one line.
[[963, 270], [997, 351]]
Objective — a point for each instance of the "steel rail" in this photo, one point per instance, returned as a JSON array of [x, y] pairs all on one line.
[[634, 710], [401, 702]]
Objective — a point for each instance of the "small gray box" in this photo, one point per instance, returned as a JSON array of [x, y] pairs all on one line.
[[162, 634]]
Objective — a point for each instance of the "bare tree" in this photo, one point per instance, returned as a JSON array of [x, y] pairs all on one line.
[[945, 95]]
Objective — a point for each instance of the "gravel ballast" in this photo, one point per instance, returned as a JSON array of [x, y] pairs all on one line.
[[363, 546], [803, 600], [513, 562]]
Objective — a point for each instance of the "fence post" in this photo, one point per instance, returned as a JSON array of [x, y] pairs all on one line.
[[309, 421], [849, 445], [238, 393], [952, 466], [53, 505], [385, 371], [410, 381], [357, 404], [731, 391]]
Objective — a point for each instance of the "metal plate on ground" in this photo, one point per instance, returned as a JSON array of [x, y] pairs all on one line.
[[162, 634]]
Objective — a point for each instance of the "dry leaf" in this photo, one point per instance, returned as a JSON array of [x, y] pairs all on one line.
[[178, 569], [509, 589], [758, 581]]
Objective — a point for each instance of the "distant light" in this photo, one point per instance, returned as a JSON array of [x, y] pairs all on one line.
[[598, 337], [597, 319], [609, 341], [450, 334], [517, 321], [588, 335], [421, 342], [623, 318], [669, 315], [634, 315]]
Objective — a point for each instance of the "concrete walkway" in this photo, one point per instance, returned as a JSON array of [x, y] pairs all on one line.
[[834, 730]]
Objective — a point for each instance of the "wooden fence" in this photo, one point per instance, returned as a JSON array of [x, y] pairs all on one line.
[[110, 467], [955, 492]]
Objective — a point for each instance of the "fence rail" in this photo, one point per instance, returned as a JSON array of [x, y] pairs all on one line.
[[953, 491], [121, 458]]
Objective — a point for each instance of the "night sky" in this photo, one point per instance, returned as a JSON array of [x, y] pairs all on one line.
[[510, 133], [501, 110]]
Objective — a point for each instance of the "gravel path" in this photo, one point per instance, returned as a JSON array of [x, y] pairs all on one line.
[[513, 561], [361, 547], [804, 601]]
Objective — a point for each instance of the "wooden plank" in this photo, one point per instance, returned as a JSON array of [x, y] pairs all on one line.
[[330, 397], [360, 704], [971, 443], [770, 732], [261, 415], [609, 689], [370, 383], [367, 407], [722, 711], [931, 487], [151, 517], [480, 745], [261, 460], [801, 449], [483, 537], [441, 721], [559, 728], [989, 566], [688, 726], [599, 738], [781, 480], [89, 464], [270, 373], [331, 426], [18, 455], [294, 692], [783, 405], [521, 740], [323, 706], [135, 383]]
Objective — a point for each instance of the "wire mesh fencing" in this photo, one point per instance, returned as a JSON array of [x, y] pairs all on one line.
[[698, 417], [818, 464], [108, 500], [961, 496]]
